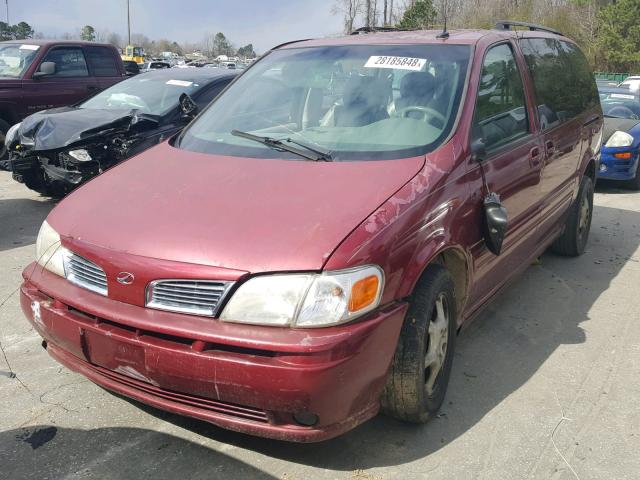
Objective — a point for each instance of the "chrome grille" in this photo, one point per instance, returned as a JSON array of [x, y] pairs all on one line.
[[197, 297], [85, 274]]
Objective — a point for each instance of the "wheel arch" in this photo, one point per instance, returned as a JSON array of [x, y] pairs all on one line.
[[456, 260], [7, 116], [590, 169]]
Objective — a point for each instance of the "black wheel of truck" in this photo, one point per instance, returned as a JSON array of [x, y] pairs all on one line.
[[574, 238], [4, 128], [420, 370]]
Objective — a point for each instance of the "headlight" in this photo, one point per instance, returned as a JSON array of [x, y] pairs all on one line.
[[49, 252], [80, 155], [306, 300], [619, 139], [12, 135]]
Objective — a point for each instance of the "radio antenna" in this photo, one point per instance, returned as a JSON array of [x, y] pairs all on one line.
[[444, 34]]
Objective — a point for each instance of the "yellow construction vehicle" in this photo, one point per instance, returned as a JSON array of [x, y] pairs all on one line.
[[133, 54]]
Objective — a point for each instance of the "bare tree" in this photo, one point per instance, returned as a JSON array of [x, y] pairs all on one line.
[[350, 9], [115, 39]]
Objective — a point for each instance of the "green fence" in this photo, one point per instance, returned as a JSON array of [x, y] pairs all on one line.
[[615, 77]]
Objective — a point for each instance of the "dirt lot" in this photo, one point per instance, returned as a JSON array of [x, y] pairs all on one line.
[[545, 385]]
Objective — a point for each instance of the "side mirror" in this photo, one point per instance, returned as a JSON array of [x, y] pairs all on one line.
[[188, 107], [478, 150], [495, 223], [46, 68]]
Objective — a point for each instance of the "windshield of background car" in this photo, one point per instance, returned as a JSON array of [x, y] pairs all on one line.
[[621, 106], [356, 102], [15, 58], [148, 93]]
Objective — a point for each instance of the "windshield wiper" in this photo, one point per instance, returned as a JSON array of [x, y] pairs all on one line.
[[280, 145]]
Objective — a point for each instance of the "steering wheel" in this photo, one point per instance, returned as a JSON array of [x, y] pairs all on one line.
[[428, 114], [622, 112]]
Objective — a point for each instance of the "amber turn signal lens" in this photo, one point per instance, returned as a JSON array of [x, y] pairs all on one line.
[[363, 293], [624, 155]]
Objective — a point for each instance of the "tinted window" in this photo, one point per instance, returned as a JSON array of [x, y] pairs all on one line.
[[562, 78], [500, 115], [102, 62], [69, 62], [210, 93]]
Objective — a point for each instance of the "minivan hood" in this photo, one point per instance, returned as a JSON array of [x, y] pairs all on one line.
[[249, 214]]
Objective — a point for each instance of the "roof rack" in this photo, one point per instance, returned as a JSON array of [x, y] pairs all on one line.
[[508, 25], [362, 30]]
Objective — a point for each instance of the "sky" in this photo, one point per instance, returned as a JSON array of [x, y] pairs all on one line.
[[265, 23]]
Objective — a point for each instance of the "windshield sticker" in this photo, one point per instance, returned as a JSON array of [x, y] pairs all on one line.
[[400, 63], [29, 47], [621, 95], [179, 83]]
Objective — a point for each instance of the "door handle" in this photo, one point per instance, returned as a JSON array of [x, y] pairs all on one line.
[[534, 157], [550, 147]]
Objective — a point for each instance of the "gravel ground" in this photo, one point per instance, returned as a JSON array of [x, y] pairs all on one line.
[[544, 386]]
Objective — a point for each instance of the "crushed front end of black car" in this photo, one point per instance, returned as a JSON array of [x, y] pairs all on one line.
[[55, 151]]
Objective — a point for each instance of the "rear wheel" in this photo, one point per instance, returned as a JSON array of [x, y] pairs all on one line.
[[4, 128], [574, 238], [419, 374]]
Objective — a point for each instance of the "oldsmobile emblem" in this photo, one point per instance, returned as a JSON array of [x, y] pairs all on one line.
[[125, 278]]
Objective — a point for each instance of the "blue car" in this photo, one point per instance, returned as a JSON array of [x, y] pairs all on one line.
[[621, 137]]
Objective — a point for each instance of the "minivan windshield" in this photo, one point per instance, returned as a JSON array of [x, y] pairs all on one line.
[[15, 58], [148, 93], [354, 102]]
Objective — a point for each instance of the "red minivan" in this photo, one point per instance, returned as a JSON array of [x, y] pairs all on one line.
[[304, 254]]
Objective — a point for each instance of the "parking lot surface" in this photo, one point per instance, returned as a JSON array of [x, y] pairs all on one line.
[[544, 385]]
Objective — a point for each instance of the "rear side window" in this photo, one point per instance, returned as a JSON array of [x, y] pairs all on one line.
[[562, 78], [70, 62], [102, 62], [500, 115]]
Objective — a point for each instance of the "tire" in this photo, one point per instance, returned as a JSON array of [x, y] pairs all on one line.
[[574, 238], [415, 391]]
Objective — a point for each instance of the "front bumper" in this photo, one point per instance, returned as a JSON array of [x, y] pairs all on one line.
[[40, 172], [244, 378], [23, 167], [612, 168]]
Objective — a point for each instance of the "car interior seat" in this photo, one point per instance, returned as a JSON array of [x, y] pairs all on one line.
[[364, 101], [416, 90]]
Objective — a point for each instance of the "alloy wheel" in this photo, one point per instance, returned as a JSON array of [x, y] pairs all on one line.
[[437, 340]]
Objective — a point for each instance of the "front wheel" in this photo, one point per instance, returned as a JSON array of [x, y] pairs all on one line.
[[419, 374], [574, 238]]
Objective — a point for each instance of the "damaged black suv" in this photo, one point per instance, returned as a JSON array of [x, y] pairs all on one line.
[[56, 150]]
